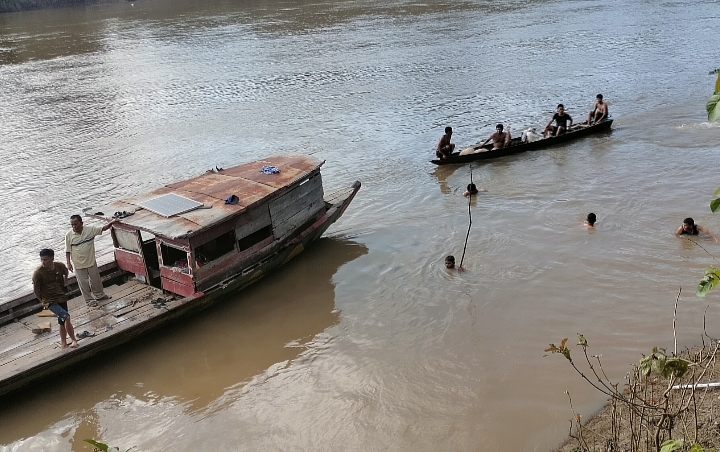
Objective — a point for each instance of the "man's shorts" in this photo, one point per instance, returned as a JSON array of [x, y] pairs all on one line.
[[60, 310]]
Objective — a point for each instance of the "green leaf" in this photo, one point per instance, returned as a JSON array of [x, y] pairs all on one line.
[[698, 448], [717, 192], [666, 366], [715, 204], [671, 445], [98, 446], [582, 341], [709, 281], [713, 107]]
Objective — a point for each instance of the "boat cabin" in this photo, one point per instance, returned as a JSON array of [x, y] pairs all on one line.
[[191, 236]]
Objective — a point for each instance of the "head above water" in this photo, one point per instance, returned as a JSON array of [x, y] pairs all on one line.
[[499, 127], [448, 130], [472, 189], [591, 219], [450, 262], [689, 221], [561, 107], [599, 97]]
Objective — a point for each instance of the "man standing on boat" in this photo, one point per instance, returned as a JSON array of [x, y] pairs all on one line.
[[444, 146], [599, 112], [49, 281], [80, 250], [500, 139], [561, 119]]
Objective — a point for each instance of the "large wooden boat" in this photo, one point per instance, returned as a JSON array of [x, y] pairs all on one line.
[[517, 145], [177, 249]]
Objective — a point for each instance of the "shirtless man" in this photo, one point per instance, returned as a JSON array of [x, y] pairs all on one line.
[[599, 112], [500, 139], [561, 119], [690, 228], [450, 264], [444, 146]]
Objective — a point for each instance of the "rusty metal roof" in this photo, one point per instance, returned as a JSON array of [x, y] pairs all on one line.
[[246, 181]]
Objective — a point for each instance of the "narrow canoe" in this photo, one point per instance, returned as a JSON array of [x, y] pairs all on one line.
[[517, 146]]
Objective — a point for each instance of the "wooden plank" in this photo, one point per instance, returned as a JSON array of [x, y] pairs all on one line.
[[294, 196], [47, 343], [177, 287], [290, 226], [252, 221], [28, 304], [130, 262], [81, 314], [174, 274]]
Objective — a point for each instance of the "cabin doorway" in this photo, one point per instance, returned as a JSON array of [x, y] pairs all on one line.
[[150, 256]]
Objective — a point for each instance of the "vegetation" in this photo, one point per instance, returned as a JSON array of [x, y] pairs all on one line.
[[713, 104], [666, 403]]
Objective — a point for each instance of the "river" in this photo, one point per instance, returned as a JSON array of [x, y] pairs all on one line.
[[366, 342]]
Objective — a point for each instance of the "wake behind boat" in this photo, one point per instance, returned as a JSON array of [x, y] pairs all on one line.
[[517, 146]]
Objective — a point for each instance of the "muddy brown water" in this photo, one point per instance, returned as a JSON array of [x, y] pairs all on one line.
[[365, 342]]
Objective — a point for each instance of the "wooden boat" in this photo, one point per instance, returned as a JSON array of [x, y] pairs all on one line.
[[177, 249], [517, 146]]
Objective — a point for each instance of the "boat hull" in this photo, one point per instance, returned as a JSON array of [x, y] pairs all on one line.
[[456, 159], [33, 373]]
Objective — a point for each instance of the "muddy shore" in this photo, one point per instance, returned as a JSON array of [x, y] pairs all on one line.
[[656, 409]]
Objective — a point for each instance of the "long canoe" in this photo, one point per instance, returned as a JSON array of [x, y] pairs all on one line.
[[517, 146]]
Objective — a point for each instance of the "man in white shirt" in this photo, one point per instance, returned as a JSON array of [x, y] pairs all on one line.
[[80, 254]]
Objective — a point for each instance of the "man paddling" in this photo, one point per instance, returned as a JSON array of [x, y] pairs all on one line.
[[599, 112], [561, 123], [444, 146], [500, 139]]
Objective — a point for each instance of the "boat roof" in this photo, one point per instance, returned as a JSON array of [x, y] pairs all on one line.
[[247, 181]]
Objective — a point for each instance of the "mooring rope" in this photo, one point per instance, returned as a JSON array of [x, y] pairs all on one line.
[[470, 195]]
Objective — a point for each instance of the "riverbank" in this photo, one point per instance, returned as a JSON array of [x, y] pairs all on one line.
[[9, 6], [684, 408]]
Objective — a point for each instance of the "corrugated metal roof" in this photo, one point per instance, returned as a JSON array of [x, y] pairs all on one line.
[[245, 181]]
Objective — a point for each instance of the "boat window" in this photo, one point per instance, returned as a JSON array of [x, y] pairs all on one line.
[[254, 238], [174, 257], [127, 240], [219, 246]]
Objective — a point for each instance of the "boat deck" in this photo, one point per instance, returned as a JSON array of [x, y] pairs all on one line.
[[131, 303]]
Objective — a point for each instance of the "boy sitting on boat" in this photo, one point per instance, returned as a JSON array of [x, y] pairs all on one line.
[[561, 123], [599, 112], [444, 146]]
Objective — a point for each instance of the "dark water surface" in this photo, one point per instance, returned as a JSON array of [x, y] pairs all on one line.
[[365, 342]]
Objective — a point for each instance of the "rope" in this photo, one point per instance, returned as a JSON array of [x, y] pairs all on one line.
[[469, 225]]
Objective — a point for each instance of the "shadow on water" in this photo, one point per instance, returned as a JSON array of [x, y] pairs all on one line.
[[195, 361], [442, 173]]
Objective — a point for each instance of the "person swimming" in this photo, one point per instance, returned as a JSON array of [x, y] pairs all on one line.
[[471, 190], [450, 263], [590, 221], [689, 227]]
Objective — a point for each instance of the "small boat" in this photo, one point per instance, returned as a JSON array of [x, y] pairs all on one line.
[[517, 145], [177, 249]]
